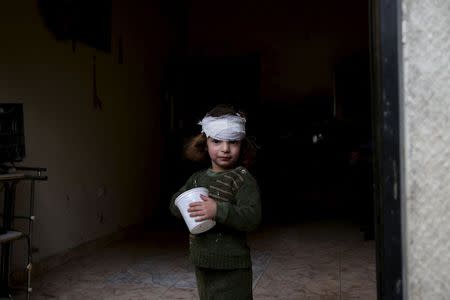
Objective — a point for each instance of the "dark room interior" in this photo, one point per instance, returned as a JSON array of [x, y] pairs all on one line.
[[302, 73], [302, 79]]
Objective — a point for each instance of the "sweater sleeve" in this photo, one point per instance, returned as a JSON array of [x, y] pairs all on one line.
[[188, 185], [245, 215]]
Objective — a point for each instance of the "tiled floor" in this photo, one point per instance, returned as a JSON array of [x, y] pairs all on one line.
[[309, 261]]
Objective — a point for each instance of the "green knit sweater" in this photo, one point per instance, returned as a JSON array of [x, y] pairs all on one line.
[[238, 211]]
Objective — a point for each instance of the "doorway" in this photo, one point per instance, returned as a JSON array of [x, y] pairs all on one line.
[[330, 145]]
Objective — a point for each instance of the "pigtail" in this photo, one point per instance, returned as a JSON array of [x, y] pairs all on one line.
[[196, 149]]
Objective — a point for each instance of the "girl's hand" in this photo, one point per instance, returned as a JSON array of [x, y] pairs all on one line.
[[204, 210]]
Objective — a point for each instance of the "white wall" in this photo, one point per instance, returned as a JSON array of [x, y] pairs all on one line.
[[103, 166], [426, 36]]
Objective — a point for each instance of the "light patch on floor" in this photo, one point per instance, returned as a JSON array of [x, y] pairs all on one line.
[[153, 272], [306, 261]]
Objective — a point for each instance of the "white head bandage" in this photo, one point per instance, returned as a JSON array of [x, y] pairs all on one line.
[[224, 128]]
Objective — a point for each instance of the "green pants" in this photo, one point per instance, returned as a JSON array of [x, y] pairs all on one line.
[[215, 284]]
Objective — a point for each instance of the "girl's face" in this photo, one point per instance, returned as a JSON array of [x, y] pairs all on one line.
[[223, 154]]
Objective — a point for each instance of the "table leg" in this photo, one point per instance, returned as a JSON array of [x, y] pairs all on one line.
[[8, 211]]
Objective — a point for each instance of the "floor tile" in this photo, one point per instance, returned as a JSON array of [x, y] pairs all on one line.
[[302, 261]]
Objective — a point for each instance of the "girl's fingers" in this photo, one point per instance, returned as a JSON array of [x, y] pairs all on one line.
[[196, 206], [205, 198], [197, 213], [195, 209], [198, 203]]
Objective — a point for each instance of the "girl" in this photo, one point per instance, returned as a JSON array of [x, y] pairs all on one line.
[[221, 256]]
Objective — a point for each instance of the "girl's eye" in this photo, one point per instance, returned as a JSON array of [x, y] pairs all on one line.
[[234, 142], [215, 141]]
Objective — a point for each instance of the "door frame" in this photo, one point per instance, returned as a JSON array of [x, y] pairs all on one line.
[[387, 101]]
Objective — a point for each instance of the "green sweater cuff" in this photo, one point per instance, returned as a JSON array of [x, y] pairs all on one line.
[[222, 211]]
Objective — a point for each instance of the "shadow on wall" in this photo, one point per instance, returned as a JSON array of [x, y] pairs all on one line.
[[83, 21]]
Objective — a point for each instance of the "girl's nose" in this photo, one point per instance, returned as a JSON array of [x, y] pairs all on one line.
[[225, 146]]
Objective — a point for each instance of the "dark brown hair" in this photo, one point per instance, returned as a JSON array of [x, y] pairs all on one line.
[[196, 148]]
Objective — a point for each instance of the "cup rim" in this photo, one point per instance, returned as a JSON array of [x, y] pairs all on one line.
[[190, 191]]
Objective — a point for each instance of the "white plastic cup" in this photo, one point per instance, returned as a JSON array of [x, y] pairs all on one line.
[[183, 201]]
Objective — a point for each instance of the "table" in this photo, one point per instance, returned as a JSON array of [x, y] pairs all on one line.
[[9, 182]]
